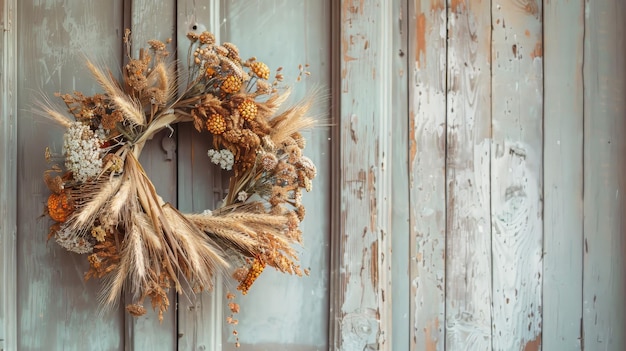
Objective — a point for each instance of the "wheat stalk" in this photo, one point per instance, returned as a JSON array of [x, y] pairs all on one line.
[[130, 108]]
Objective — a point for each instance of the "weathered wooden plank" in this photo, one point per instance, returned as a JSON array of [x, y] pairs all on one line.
[[468, 238], [604, 281], [201, 185], [563, 38], [283, 312], [516, 174], [400, 243], [8, 176], [57, 309], [365, 175], [270, 318], [336, 277], [427, 162], [154, 20]]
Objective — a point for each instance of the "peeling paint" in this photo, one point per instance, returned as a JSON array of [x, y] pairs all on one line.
[[457, 5], [345, 48], [431, 335], [420, 36], [533, 345], [437, 5], [371, 189], [374, 264], [353, 128], [412, 140], [537, 51]]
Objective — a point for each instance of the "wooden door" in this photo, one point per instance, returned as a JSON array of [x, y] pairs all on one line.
[[55, 307]]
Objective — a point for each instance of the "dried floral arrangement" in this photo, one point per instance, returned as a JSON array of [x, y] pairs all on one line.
[[103, 204]]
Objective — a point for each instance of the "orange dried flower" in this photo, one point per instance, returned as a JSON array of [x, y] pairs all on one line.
[[248, 110], [136, 310], [60, 207], [231, 84], [210, 72], [257, 268], [260, 69], [216, 124]]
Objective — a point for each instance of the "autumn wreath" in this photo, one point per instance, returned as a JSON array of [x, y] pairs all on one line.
[[104, 205]]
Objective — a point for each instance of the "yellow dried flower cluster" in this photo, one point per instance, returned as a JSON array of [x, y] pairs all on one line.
[[247, 109], [216, 124], [260, 69], [231, 84]]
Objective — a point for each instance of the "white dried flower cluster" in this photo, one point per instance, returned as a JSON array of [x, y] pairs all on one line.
[[242, 196], [72, 242], [223, 157], [83, 156], [308, 166]]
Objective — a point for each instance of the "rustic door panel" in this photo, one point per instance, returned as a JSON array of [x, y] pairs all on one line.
[[154, 20], [56, 308], [280, 312]]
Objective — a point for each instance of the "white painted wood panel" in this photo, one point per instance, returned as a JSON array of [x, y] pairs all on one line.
[[468, 221], [563, 38], [516, 174], [427, 161], [57, 309], [604, 71]]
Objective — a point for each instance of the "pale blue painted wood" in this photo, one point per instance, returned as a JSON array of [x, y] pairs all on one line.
[[201, 185], [283, 312], [363, 271], [154, 20], [604, 81], [254, 27], [516, 174], [57, 309], [400, 289], [8, 176], [563, 39]]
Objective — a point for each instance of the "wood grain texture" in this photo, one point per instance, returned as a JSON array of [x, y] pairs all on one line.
[[516, 174], [57, 309], [468, 238], [427, 164], [563, 39], [8, 176], [154, 20], [400, 242], [604, 159], [365, 175]]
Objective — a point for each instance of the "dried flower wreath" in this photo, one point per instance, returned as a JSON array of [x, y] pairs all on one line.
[[104, 205]]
